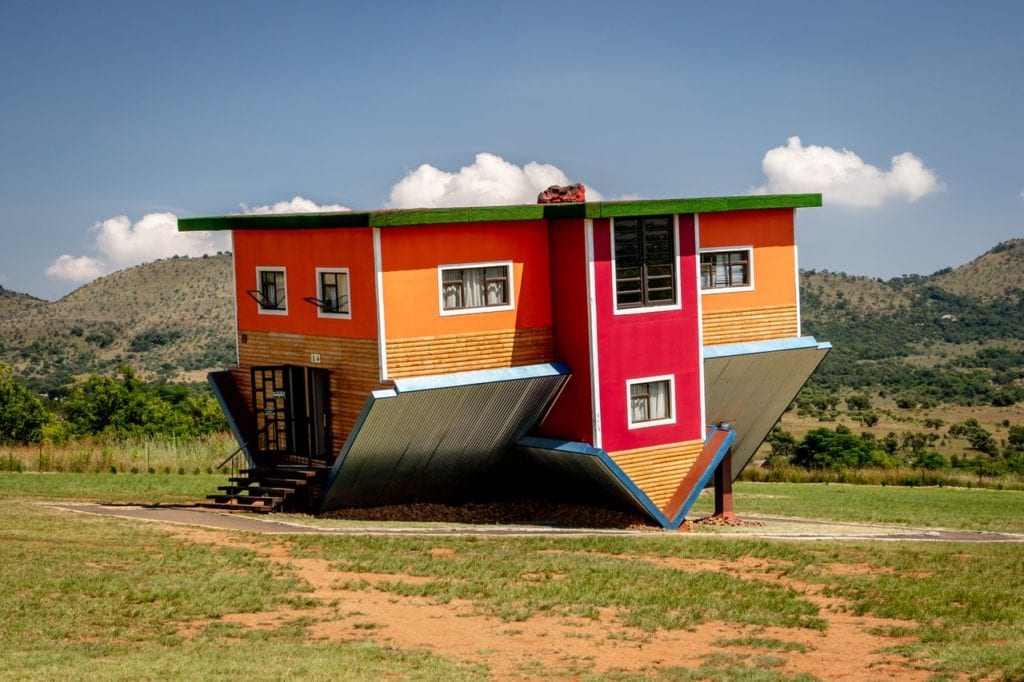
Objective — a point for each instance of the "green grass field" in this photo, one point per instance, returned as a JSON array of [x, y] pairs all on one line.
[[957, 508], [94, 598], [104, 598]]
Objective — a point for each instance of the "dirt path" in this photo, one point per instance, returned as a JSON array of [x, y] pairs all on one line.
[[767, 528], [350, 606], [544, 646]]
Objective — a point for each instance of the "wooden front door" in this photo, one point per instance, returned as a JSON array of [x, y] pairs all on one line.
[[271, 406], [292, 408]]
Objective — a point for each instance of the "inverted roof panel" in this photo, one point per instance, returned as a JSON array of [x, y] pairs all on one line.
[[436, 439], [749, 385]]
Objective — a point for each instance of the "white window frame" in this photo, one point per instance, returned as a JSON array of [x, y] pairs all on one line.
[[320, 312], [643, 310], [474, 266], [671, 419], [727, 290], [260, 269]]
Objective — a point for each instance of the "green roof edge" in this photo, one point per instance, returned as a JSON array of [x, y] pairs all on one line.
[[434, 216]]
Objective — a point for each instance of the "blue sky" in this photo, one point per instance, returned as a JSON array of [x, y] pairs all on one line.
[[116, 117]]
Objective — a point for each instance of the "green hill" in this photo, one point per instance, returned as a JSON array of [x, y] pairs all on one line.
[[999, 273], [954, 336], [170, 318]]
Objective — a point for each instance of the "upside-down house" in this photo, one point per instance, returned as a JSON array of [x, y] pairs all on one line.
[[619, 354]]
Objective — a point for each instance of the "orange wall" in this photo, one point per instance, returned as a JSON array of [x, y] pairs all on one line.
[[410, 256], [301, 252], [770, 232]]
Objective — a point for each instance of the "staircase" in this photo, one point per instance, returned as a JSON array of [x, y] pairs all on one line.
[[282, 487]]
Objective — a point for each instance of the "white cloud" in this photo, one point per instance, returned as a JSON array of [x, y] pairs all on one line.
[[76, 269], [843, 177], [119, 243], [489, 181], [296, 204]]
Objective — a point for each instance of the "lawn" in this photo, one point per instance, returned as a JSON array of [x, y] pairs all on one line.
[[104, 598], [957, 508], [110, 488]]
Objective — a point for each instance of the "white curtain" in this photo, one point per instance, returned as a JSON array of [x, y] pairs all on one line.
[[659, 399], [721, 271], [649, 401], [468, 289], [638, 403], [473, 288], [496, 288], [452, 289]]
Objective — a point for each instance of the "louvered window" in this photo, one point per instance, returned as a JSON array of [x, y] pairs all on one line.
[[644, 262]]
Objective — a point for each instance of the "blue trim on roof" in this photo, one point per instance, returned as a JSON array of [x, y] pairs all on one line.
[[332, 475], [706, 475], [656, 514], [752, 347], [483, 376]]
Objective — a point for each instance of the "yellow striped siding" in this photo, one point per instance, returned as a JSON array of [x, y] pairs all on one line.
[[658, 470], [353, 365], [749, 324], [428, 355]]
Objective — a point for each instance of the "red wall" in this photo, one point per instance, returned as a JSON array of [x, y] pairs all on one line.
[[647, 344], [571, 418], [300, 252]]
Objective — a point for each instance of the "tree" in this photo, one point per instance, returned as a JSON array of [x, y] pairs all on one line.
[[123, 405], [22, 415], [858, 401], [826, 449], [929, 459], [890, 443], [975, 434], [1016, 437], [782, 443]]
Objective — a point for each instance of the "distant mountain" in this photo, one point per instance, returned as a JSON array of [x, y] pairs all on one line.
[[997, 273], [170, 318], [954, 336]]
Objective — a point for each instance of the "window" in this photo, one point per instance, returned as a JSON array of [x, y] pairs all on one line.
[[645, 257], [271, 294], [475, 287], [332, 293], [650, 401], [726, 269]]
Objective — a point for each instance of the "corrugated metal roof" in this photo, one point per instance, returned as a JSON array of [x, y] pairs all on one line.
[[577, 472], [749, 385], [437, 439], [572, 472]]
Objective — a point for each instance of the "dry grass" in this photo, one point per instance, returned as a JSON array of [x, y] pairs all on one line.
[[92, 327], [990, 275]]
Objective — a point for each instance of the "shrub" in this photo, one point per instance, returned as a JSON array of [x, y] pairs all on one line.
[[931, 460], [22, 415], [826, 449]]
